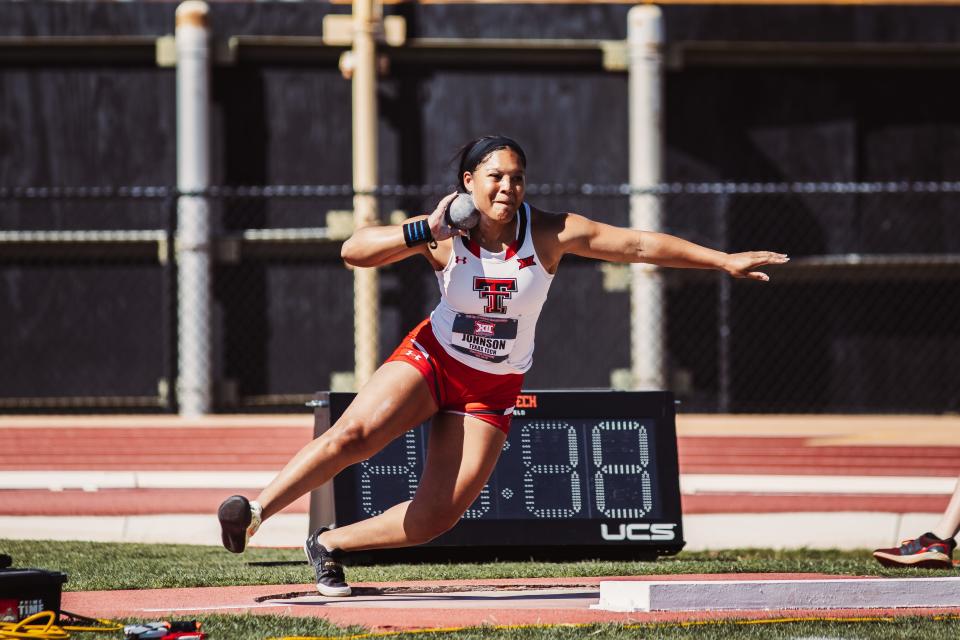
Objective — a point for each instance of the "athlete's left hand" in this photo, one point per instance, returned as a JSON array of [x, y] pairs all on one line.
[[744, 265]]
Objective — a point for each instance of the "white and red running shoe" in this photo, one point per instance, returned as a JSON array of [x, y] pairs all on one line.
[[926, 552]]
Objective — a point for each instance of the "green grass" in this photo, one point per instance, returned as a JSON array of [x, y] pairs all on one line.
[[105, 566], [102, 566], [918, 628], [258, 627]]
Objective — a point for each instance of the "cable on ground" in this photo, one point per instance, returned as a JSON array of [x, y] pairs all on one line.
[[32, 627]]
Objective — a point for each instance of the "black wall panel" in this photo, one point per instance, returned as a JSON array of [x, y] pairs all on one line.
[[883, 347], [83, 329], [284, 325], [87, 126]]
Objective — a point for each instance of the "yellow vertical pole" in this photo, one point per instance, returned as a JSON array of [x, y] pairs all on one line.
[[365, 281]]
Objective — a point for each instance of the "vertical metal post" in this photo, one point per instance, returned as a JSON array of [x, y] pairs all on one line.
[[645, 39], [366, 25], [322, 508], [724, 320], [194, 387]]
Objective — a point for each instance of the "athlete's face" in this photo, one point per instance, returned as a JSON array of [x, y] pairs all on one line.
[[497, 184]]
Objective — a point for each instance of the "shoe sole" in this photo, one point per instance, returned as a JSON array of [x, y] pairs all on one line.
[[330, 592], [234, 516], [920, 561]]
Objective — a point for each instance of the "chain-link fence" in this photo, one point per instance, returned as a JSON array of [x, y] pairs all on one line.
[[865, 317], [86, 299]]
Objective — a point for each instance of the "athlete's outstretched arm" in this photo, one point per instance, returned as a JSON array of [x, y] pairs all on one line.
[[585, 237], [378, 245]]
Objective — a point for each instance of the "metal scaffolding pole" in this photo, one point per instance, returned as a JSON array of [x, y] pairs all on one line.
[[366, 25], [645, 43], [194, 386]]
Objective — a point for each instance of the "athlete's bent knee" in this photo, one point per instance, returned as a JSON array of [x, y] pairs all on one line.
[[350, 441], [421, 530]]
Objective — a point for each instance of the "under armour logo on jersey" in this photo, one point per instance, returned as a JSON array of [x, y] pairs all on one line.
[[460, 260], [525, 262], [413, 354], [495, 290]]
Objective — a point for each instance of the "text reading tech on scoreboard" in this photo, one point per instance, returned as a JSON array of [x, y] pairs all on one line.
[[582, 474]]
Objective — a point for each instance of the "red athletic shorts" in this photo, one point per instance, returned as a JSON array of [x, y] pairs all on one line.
[[456, 387]]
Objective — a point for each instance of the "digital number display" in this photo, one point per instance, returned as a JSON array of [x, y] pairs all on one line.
[[548, 469], [581, 474]]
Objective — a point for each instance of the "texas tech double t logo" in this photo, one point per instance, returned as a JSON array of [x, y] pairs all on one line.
[[496, 291]]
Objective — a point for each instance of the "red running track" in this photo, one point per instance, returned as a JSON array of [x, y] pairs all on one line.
[[797, 456], [268, 447], [151, 448], [135, 502]]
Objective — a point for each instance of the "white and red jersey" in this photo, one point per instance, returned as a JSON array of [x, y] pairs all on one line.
[[490, 302]]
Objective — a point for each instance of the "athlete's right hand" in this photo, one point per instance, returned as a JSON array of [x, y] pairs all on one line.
[[440, 229]]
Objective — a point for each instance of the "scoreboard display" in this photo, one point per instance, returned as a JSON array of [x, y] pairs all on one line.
[[583, 474]]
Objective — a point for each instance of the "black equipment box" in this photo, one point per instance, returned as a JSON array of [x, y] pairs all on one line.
[[24, 592]]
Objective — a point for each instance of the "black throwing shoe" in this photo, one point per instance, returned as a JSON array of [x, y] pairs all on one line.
[[330, 579], [238, 521]]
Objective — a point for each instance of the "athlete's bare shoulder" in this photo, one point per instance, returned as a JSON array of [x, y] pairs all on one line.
[[542, 216]]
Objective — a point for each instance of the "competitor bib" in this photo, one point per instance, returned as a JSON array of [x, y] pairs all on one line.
[[483, 337]]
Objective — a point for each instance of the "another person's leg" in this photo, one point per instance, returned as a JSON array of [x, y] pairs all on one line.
[[395, 399], [461, 454], [949, 523], [932, 550]]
